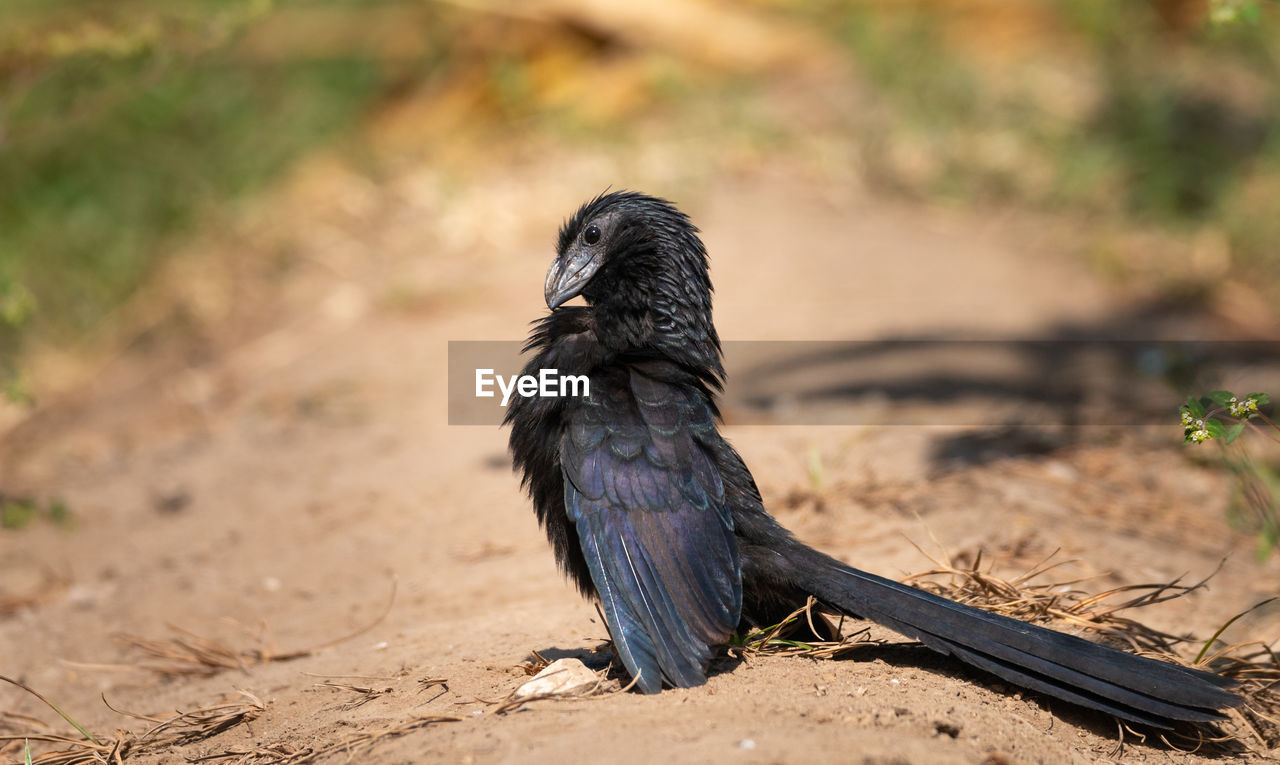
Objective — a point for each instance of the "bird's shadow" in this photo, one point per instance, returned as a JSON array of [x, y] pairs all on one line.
[[1131, 367], [595, 659]]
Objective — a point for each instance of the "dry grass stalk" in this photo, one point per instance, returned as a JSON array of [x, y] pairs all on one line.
[[602, 690], [176, 730], [192, 654], [283, 754], [427, 683], [535, 663], [1257, 668], [363, 694], [199, 724], [783, 638], [12, 721], [433, 682], [1048, 602], [1256, 723], [259, 755]]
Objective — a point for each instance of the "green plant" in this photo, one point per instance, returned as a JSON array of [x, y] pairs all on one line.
[[19, 512], [126, 126], [1149, 136], [1206, 417], [1224, 416], [17, 305], [1234, 11]]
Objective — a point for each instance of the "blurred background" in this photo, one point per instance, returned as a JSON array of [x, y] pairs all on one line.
[[162, 165]]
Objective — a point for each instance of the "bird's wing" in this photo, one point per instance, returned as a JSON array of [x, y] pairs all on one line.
[[649, 507]]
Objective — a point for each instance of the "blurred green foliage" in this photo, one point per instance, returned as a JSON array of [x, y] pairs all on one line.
[[1185, 144], [122, 123], [1182, 131], [19, 512], [1235, 11], [125, 122], [1255, 500], [95, 193]]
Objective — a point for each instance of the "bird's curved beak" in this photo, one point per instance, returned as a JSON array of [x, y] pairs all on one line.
[[568, 275]]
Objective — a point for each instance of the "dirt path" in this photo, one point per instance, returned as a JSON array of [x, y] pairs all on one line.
[[285, 483]]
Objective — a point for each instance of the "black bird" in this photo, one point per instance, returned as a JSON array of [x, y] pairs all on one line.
[[650, 510]]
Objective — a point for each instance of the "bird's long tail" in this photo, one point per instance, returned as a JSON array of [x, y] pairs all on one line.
[[1126, 685]]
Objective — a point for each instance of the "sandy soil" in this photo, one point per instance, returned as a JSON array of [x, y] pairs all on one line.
[[272, 489]]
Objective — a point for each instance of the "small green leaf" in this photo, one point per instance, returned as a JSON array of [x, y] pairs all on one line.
[[59, 513], [1261, 398], [815, 468], [17, 304], [1234, 432], [1214, 638], [1196, 408], [1221, 397], [16, 513], [1216, 428], [1268, 541]]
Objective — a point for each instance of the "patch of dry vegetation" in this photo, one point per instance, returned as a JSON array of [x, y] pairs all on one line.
[[190, 654], [178, 729], [185, 728], [285, 754], [1255, 725]]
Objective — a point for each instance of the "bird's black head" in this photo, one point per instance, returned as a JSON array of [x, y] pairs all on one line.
[[642, 269]]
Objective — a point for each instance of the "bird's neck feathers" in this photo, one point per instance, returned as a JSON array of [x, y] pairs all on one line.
[[657, 302]]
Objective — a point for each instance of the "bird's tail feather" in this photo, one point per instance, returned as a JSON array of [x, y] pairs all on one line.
[[1126, 685]]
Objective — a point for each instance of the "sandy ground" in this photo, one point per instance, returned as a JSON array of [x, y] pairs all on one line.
[[272, 491]]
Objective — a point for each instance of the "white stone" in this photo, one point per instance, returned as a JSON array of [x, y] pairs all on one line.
[[562, 677]]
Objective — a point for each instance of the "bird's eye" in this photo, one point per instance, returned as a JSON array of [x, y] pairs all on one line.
[[591, 235]]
